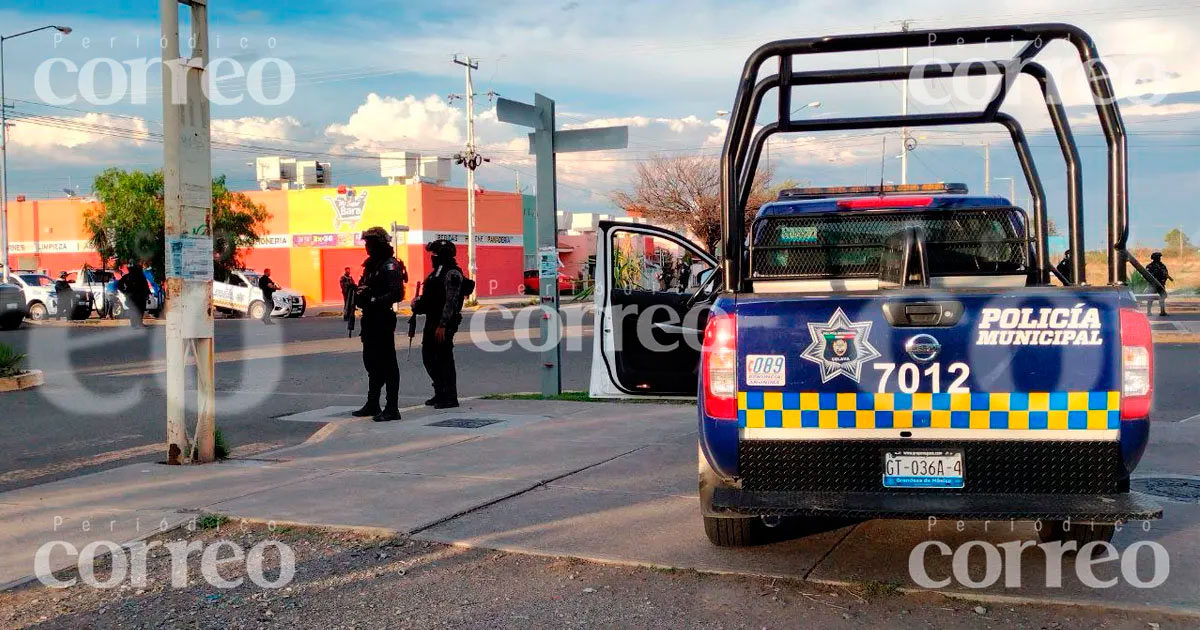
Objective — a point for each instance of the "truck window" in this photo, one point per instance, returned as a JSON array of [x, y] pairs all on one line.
[[644, 263], [987, 241]]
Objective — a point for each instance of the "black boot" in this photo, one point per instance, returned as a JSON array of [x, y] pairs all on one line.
[[387, 415], [445, 404], [431, 402], [368, 410]]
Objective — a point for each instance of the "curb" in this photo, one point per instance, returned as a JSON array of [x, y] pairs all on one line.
[[978, 597], [25, 380]]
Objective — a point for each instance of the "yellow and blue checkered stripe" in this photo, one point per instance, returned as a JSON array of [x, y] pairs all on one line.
[[973, 410]]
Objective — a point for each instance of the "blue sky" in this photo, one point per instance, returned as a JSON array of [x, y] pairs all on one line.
[[374, 75]]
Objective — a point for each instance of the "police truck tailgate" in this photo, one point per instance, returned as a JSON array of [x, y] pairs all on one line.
[[919, 392]]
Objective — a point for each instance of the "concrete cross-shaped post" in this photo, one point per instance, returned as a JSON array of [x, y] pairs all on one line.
[[544, 143]]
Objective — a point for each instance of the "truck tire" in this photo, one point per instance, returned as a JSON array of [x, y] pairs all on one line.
[[255, 311], [1081, 533], [739, 531], [11, 321], [38, 312]]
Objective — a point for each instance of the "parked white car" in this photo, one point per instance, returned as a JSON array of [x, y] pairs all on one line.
[[41, 300], [240, 294]]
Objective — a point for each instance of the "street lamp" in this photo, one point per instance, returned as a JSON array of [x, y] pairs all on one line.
[[65, 30]]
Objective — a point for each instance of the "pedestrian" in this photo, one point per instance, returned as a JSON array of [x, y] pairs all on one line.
[[133, 284], [268, 288], [380, 287], [65, 302], [441, 303], [110, 298], [1064, 267], [1159, 270], [347, 283]]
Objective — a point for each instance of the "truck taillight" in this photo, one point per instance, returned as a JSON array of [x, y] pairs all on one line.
[[718, 366], [1137, 364]]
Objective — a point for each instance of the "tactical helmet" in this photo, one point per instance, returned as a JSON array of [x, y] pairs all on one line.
[[377, 232], [442, 247], [1155, 255]]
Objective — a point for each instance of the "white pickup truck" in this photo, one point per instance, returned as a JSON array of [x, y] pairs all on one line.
[[240, 294], [41, 300]]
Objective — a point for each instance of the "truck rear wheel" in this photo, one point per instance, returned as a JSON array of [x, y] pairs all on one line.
[[1081, 533], [256, 310], [734, 532], [38, 312]]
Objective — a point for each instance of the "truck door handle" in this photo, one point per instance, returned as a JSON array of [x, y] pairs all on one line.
[[923, 314]]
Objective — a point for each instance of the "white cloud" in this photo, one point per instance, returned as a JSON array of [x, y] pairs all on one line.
[[74, 132], [250, 128], [386, 121]]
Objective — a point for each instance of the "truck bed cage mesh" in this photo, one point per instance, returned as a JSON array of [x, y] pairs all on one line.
[[743, 146]]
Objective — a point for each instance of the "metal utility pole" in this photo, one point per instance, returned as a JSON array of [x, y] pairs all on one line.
[[65, 30], [904, 111], [987, 168], [471, 160], [187, 180], [544, 144]]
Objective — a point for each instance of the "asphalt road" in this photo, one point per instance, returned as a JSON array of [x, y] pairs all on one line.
[[104, 401], [105, 395]]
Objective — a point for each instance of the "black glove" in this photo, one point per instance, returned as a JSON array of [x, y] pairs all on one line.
[[362, 299]]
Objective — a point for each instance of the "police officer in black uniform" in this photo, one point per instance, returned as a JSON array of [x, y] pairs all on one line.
[[441, 303], [381, 286]]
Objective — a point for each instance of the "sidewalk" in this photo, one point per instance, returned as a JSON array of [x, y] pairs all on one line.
[[609, 482]]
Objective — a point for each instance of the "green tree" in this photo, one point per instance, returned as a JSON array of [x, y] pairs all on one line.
[[127, 226], [1177, 241]]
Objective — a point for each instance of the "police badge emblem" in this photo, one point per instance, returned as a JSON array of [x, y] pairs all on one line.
[[840, 346]]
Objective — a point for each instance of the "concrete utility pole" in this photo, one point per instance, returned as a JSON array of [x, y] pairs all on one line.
[[544, 143], [187, 179], [471, 160]]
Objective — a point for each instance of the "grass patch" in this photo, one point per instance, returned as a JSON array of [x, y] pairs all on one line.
[[211, 521], [220, 446], [583, 397], [876, 589]]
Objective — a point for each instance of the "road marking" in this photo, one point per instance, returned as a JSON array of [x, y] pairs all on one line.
[[1187, 420], [302, 348]]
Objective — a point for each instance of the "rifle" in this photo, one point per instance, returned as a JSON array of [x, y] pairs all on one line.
[[348, 313], [412, 321]]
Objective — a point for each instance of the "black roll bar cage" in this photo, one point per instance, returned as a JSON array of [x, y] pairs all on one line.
[[743, 146]]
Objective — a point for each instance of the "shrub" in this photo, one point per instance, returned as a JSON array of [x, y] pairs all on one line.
[[10, 361]]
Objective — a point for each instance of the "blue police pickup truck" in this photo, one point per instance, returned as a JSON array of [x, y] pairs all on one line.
[[892, 351]]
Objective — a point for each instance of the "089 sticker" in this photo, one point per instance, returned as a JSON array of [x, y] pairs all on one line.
[[766, 370]]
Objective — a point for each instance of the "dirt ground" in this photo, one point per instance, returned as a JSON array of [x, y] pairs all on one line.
[[352, 581]]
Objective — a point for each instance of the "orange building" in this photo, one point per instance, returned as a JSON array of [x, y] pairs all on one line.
[[312, 234]]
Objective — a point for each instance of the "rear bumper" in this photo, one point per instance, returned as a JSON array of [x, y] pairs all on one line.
[[1123, 506]]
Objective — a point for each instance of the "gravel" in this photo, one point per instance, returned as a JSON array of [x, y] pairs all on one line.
[[344, 580]]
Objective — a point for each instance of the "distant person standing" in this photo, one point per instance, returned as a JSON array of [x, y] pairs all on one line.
[[445, 290], [1064, 266], [268, 288], [381, 286], [65, 303], [133, 284], [1160, 273], [347, 284]]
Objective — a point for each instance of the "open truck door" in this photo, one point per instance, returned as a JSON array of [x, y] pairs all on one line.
[[651, 294]]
